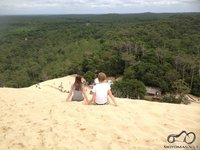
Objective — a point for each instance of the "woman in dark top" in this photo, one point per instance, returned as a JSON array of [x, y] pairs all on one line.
[[78, 91]]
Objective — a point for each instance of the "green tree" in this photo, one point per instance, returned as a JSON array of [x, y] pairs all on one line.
[[89, 76], [129, 73], [181, 87], [129, 89], [196, 86]]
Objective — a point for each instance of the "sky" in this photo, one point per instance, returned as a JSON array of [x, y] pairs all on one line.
[[21, 7]]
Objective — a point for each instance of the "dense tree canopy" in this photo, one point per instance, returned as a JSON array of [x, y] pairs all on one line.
[[156, 49]]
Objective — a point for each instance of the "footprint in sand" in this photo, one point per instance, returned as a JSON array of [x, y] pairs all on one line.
[[5, 129], [19, 145], [82, 129], [51, 129], [21, 116]]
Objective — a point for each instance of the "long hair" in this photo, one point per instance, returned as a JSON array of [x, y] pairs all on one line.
[[78, 83]]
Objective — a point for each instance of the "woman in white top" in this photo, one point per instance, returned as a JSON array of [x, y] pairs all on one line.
[[101, 91]]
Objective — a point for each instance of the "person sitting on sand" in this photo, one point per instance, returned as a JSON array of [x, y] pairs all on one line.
[[78, 91], [101, 91], [96, 81]]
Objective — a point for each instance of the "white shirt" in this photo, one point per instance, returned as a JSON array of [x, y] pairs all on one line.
[[101, 91], [96, 81]]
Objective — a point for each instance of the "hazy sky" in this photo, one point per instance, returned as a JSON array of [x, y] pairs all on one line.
[[96, 6]]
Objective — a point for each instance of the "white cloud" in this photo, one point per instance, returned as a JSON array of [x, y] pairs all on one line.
[[20, 5], [100, 3]]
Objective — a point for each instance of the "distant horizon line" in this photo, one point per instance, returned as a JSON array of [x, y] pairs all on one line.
[[98, 13]]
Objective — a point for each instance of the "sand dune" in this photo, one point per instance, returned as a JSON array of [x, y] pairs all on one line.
[[36, 118]]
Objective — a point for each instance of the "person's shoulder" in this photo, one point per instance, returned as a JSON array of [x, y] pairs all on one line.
[[105, 84]]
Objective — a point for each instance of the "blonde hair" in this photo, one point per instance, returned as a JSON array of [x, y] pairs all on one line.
[[101, 77]]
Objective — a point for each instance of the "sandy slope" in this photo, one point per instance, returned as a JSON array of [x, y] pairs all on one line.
[[40, 119]]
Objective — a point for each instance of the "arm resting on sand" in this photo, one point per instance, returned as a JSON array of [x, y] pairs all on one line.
[[69, 96], [85, 95], [112, 97], [93, 98]]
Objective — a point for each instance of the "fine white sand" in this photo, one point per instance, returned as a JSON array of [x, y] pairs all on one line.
[[39, 118]]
